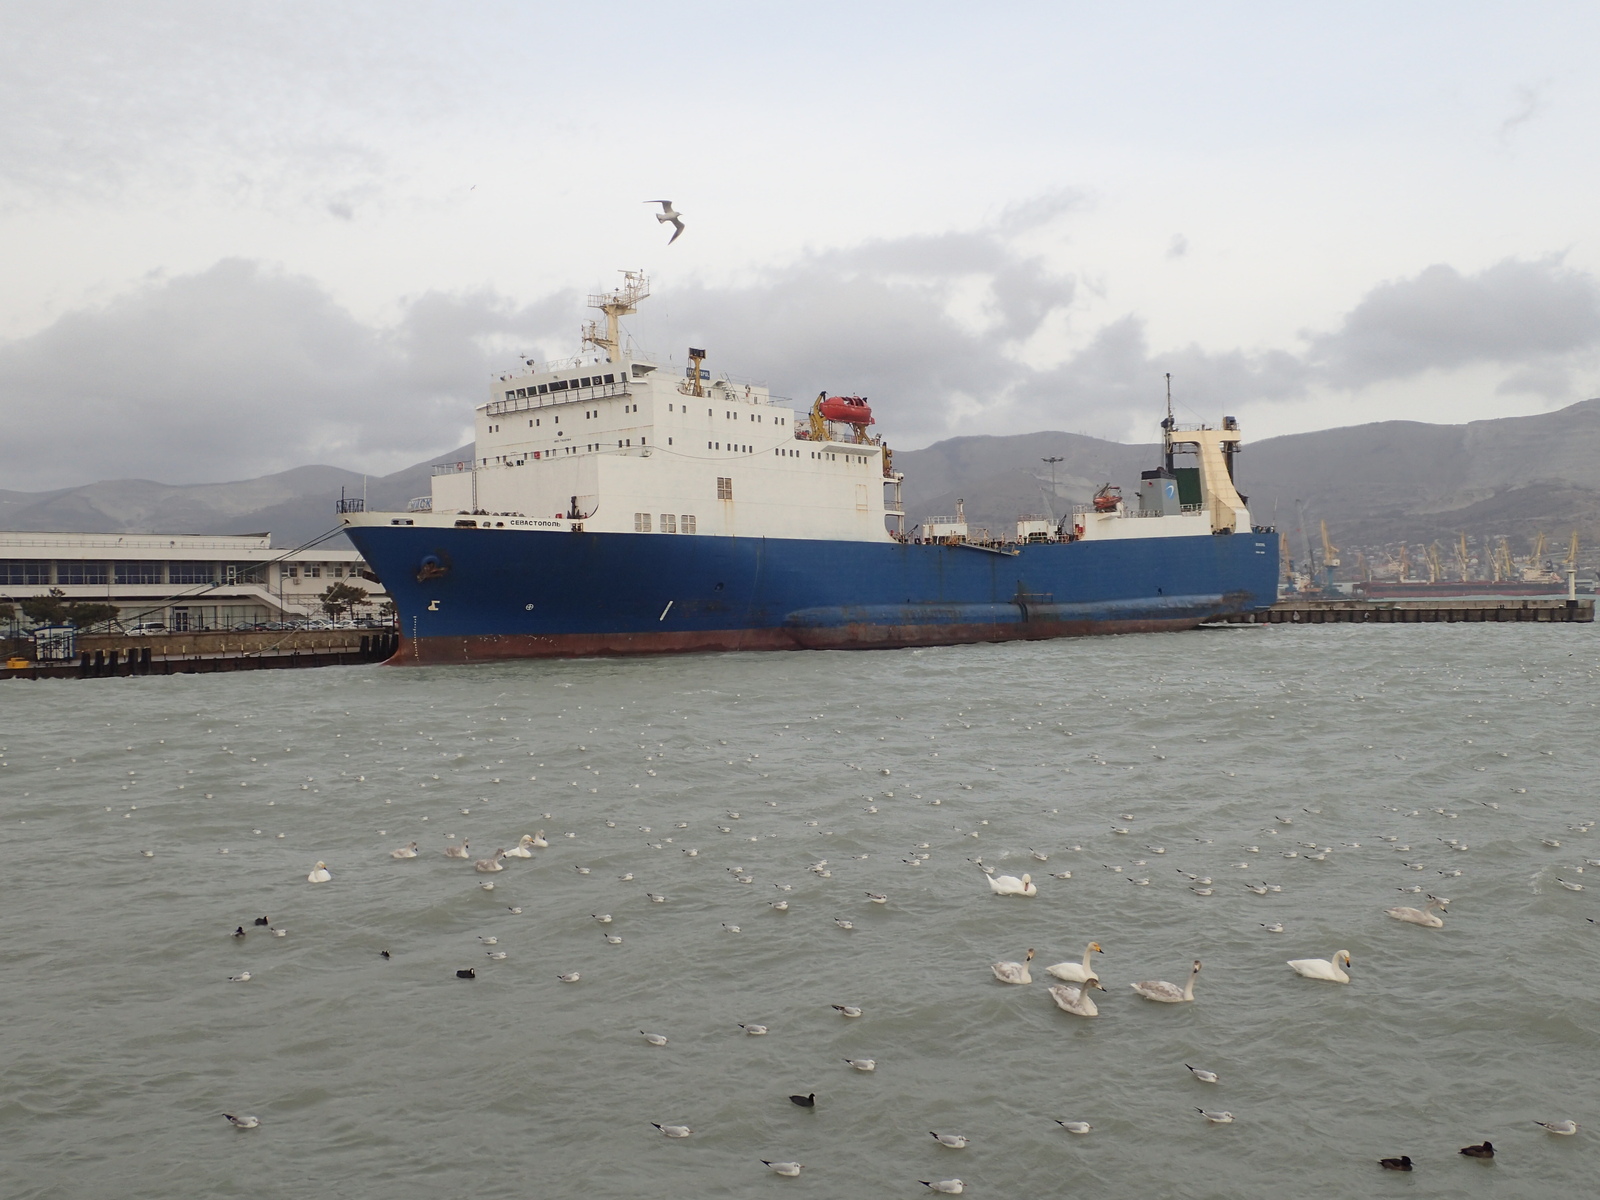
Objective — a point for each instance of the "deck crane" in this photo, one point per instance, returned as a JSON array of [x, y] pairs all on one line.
[[1435, 566], [1463, 558]]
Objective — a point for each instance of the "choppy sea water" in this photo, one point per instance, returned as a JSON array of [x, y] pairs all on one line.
[[124, 1039]]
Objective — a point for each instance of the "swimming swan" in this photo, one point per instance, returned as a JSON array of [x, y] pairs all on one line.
[[1322, 968], [1076, 1000], [319, 874], [1010, 885], [520, 850], [404, 851], [1013, 972], [1168, 993], [1421, 916], [490, 864], [457, 851], [1077, 972]]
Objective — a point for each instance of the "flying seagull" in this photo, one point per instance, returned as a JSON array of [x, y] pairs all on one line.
[[668, 213]]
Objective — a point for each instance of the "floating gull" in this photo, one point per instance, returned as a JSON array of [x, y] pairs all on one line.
[[863, 1064], [847, 1010], [1202, 1076], [249, 1122], [779, 1168], [951, 1187], [241, 977], [843, 924], [1075, 1126], [1565, 1128], [1216, 1118], [753, 1030], [655, 1039], [569, 977], [674, 1131], [954, 1141]]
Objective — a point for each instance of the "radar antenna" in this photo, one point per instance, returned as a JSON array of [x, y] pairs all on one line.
[[615, 304]]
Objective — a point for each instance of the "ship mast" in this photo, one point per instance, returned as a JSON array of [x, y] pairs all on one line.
[[616, 304]]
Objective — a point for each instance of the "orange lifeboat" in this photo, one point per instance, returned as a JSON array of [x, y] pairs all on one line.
[[1107, 498], [851, 410]]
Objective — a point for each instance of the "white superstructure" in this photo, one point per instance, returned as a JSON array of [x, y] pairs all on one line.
[[618, 444]]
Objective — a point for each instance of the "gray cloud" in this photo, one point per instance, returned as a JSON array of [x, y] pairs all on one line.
[[241, 370], [1515, 312]]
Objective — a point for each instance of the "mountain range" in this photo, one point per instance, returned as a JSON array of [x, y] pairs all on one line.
[[1375, 485]]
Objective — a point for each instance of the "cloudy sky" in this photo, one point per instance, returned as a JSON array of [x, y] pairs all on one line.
[[240, 237]]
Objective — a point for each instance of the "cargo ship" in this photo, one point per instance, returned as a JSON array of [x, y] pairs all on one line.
[[614, 506]]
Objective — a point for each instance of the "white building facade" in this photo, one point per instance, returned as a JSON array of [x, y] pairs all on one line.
[[183, 582]]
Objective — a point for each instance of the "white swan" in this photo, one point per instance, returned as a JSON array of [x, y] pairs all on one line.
[[490, 864], [404, 851], [319, 874], [1421, 916], [1010, 885], [1077, 972], [1076, 1000], [457, 851], [1168, 993], [520, 850], [1322, 968], [1013, 972]]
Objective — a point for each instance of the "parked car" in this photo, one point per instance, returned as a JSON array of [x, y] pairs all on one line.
[[145, 629]]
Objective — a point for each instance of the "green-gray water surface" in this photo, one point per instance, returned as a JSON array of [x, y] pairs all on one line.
[[124, 1038]]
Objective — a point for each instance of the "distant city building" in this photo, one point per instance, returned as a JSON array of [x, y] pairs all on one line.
[[183, 582]]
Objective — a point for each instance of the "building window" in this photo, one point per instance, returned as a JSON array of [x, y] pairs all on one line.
[[686, 523], [338, 572], [25, 572], [138, 572], [80, 573], [314, 572], [724, 488], [191, 572], [669, 523], [641, 522], [291, 572]]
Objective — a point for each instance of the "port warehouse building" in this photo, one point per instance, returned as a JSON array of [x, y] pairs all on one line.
[[183, 581]]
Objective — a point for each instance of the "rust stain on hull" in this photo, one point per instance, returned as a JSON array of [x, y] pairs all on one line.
[[502, 647]]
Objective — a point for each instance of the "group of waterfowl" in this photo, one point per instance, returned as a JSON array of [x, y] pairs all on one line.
[[1076, 1000]]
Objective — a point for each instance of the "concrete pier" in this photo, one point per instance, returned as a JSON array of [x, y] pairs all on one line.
[[1406, 612]]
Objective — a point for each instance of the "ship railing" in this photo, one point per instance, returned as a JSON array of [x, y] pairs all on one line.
[[349, 504], [601, 391], [454, 468]]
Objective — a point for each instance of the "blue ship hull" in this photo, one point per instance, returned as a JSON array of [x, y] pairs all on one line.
[[475, 594]]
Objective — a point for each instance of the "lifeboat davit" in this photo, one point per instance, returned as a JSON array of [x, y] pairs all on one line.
[[851, 410]]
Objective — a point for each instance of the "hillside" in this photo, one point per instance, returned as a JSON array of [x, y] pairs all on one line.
[[1376, 485], [294, 505]]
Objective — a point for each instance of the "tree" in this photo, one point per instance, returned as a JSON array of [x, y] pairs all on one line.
[[341, 597], [53, 608], [49, 609]]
